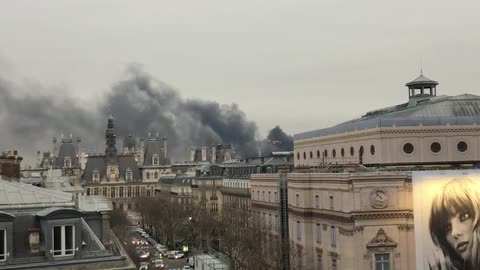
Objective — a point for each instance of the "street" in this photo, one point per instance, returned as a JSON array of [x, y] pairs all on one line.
[[143, 247]]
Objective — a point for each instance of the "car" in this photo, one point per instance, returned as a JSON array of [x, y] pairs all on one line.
[[175, 254], [144, 255], [186, 267], [158, 264]]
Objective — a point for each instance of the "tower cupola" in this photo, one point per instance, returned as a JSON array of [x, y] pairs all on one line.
[[422, 87]]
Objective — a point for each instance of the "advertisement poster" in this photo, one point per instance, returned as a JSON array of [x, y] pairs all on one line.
[[447, 219]]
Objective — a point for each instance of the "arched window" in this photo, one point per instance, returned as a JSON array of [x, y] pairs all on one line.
[[318, 153], [148, 175], [155, 174]]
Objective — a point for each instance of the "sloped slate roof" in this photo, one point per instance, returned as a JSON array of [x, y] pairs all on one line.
[[443, 110], [99, 163], [421, 80], [154, 146], [67, 149], [17, 194]]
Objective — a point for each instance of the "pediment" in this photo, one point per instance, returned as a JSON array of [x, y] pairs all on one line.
[[381, 240]]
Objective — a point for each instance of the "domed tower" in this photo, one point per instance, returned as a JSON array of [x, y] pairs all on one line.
[[422, 87]]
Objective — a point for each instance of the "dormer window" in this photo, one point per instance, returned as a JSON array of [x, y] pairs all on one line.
[[3, 245], [128, 175], [96, 176], [63, 239], [67, 162], [155, 160]]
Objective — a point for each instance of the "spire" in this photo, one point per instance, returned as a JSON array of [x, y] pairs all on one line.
[[111, 140]]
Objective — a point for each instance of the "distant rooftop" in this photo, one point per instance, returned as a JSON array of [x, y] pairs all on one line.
[[435, 111]]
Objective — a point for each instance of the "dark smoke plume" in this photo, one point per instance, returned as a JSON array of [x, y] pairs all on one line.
[[277, 140], [139, 104]]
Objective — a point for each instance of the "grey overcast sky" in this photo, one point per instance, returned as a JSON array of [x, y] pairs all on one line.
[[301, 64]]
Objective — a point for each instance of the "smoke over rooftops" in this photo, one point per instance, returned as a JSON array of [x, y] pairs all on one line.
[[139, 104]]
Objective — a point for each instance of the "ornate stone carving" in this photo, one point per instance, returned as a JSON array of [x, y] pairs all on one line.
[[358, 228], [405, 227], [381, 240], [319, 251], [379, 198]]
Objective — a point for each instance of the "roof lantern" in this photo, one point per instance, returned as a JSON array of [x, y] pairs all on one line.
[[422, 87]]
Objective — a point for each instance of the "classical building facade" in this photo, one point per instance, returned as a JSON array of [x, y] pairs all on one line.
[[115, 176], [350, 203]]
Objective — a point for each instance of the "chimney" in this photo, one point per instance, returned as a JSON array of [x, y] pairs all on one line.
[[192, 154], [214, 153], [142, 151], [165, 147], [39, 160], [204, 153], [54, 152], [79, 155]]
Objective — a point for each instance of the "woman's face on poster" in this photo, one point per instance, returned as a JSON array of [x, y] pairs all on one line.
[[460, 233]]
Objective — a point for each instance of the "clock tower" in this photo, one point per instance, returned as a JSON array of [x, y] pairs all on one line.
[[111, 151]]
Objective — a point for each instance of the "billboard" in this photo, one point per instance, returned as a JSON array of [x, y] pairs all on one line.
[[447, 219]]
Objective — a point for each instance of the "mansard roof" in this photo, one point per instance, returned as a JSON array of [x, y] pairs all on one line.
[[67, 149], [155, 147], [98, 162]]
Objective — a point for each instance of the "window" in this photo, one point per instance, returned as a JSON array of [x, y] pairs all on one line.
[[317, 201], [342, 152], [96, 191], [148, 175], [120, 192], [319, 262], [318, 232], [3, 245], [382, 262], [334, 153], [333, 237], [88, 191], [276, 197], [331, 201], [129, 192], [304, 155], [96, 176], [269, 197], [408, 148], [258, 195], [63, 240], [372, 149], [67, 162], [462, 146], [311, 154], [155, 160], [297, 200], [137, 191], [352, 151], [155, 175], [128, 175], [298, 156], [299, 231], [104, 192], [334, 263], [435, 147], [318, 153], [263, 195], [112, 192], [325, 153]]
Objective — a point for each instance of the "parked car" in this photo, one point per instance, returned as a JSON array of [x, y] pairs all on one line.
[[158, 264], [144, 255], [175, 254]]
